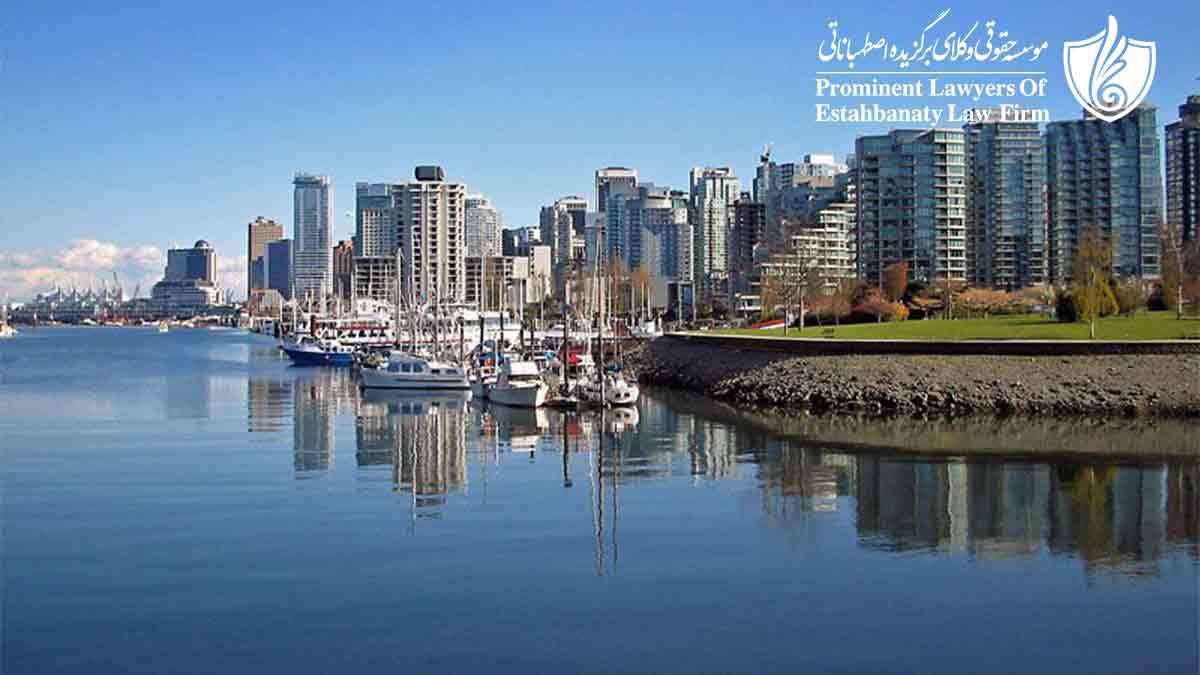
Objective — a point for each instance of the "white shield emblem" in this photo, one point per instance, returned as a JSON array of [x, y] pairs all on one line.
[[1108, 73]]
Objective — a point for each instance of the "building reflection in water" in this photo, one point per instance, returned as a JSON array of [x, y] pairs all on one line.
[[318, 395], [422, 436], [268, 404], [1116, 518]]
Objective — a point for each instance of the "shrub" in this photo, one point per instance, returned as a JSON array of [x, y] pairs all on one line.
[[1064, 305], [1129, 297]]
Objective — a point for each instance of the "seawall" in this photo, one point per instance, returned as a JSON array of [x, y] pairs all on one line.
[[918, 377]]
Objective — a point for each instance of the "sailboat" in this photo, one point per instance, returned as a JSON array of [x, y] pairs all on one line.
[[607, 387], [410, 369]]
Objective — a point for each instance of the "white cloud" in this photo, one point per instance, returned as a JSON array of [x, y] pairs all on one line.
[[90, 262], [85, 262]]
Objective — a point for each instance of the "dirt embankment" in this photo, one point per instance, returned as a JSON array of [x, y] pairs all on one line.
[[1128, 385]]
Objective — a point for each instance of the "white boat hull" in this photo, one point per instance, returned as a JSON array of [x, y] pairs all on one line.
[[381, 379], [519, 395]]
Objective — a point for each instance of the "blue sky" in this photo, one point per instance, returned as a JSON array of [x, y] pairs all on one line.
[[140, 124]]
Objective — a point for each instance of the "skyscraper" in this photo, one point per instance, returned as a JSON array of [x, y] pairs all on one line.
[[198, 263], [312, 245], [712, 193], [277, 267], [189, 281], [343, 268], [375, 225], [1105, 175], [425, 221], [1006, 203], [482, 228], [259, 232], [562, 229], [794, 191], [1183, 170], [642, 229], [431, 216], [614, 180], [749, 232], [911, 204]]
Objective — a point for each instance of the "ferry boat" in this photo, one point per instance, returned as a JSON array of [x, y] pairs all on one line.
[[368, 331], [410, 371], [307, 350]]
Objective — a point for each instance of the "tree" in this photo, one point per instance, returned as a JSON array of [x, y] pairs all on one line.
[[895, 280], [842, 300], [1091, 273], [1173, 276], [1130, 295], [879, 307]]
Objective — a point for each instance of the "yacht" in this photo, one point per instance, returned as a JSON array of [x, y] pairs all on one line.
[[520, 385], [307, 350], [163, 327], [410, 371], [615, 390]]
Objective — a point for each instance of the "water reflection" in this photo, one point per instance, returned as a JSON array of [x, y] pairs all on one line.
[[1115, 516]]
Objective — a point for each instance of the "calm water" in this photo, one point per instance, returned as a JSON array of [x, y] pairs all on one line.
[[190, 503]]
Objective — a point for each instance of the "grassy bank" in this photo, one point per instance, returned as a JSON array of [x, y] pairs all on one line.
[[1143, 326]]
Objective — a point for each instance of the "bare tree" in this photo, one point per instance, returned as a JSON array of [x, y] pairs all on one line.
[[1174, 276]]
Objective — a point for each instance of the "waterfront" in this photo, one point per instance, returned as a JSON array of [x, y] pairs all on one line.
[[189, 502]]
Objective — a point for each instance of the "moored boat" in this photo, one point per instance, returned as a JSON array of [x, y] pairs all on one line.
[[520, 385], [409, 371], [309, 351]]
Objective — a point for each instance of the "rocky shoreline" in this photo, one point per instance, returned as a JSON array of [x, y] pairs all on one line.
[[1165, 385]]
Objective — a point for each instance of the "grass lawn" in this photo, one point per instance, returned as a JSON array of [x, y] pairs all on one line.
[[1144, 326]]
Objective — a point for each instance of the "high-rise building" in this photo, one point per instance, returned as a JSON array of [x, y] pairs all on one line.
[[312, 245], [749, 233], [1183, 170], [563, 225], [612, 181], [525, 238], [376, 277], [277, 267], [508, 242], [259, 232], [911, 204], [794, 191], [431, 214], [1006, 203], [375, 226], [712, 194], [198, 263], [189, 281], [482, 227], [641, 229], [343, 268], [425, 221], [1105, 175]]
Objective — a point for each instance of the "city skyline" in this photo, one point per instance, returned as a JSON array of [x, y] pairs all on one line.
[[238, 151]]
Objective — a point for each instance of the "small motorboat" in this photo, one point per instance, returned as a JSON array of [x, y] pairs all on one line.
[[309, 351], [614, 390], [409, 371], [519, 385]]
